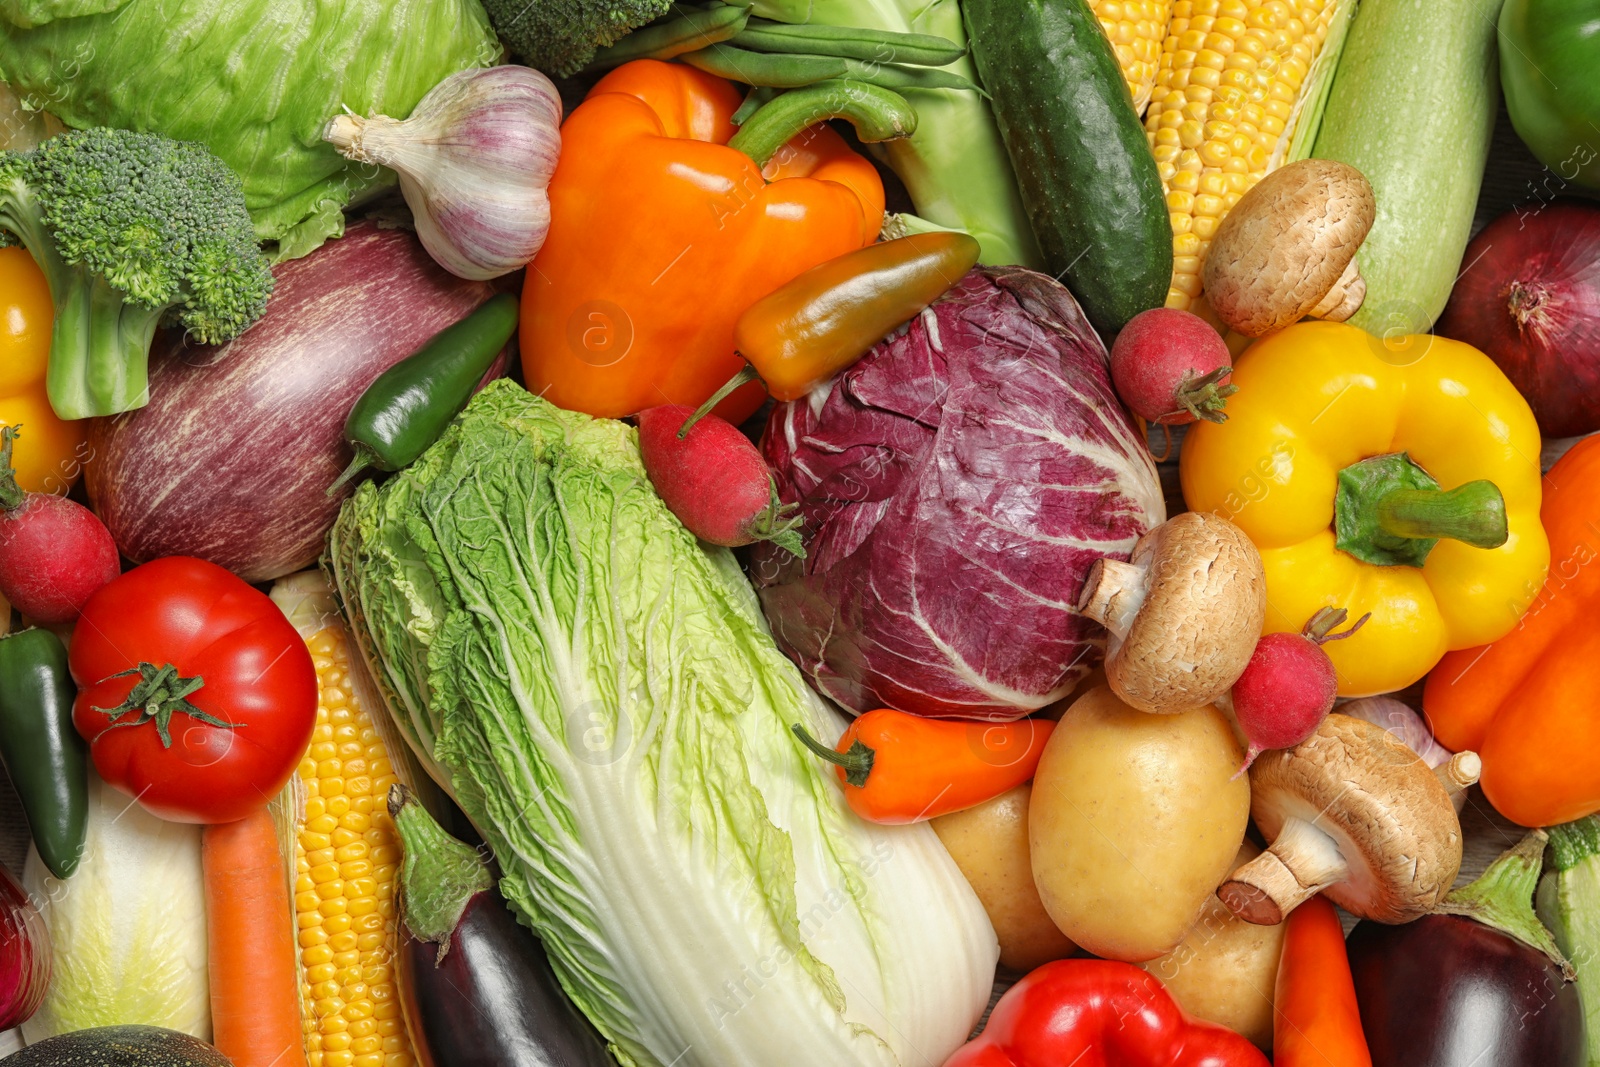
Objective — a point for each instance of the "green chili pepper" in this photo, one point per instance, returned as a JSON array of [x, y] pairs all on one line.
[[694, 29], [880, 46], [42, 751], [410, 404]]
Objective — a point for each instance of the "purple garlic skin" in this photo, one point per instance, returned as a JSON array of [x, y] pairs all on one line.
[[474, 161]]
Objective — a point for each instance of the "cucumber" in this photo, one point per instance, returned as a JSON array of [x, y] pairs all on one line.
[[119, 1046], [1412, 107], [1083, 164]]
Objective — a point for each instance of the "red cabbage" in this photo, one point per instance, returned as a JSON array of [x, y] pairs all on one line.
[[956, 484]]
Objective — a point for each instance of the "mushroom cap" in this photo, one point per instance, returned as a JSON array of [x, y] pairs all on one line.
[[1385, 809], [1285, 244], [1204, 605]]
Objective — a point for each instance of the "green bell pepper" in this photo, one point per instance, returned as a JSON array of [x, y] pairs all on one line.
[[43, 753], [1550, 70]]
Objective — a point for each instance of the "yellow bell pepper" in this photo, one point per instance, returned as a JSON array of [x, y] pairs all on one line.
[[49, 453], [1314, 402]]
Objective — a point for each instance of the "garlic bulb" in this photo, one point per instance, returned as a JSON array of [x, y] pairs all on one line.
[[474, 159]]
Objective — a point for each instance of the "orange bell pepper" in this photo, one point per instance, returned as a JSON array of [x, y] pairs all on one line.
[[1525, 703], [50, 452], [661, 235]]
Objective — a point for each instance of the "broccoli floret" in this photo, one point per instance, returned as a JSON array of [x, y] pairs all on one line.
[[560, 36], [132, 230]]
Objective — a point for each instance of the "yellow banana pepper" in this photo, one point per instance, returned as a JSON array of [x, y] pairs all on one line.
[[49, 453], [1344, 457]]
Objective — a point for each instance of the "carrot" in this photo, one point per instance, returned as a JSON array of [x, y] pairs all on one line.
[[255, 992], [1316, 1022]]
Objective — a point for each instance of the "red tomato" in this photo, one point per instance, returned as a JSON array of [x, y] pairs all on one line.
[[238, 706]]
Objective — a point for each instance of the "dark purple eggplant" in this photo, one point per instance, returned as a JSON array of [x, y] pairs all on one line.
[[1482, 985], [231, 459], [475, 985]]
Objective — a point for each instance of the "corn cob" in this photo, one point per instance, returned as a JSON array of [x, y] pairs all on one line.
[[346, 858], [1137, 29], [343, 852], [1234, 79]]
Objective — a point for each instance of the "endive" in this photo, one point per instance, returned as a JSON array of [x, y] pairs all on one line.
[[597, 690]]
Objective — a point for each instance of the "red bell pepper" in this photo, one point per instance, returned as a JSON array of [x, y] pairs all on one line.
[[1099, 1013]]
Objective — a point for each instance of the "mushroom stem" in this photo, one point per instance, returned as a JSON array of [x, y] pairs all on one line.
[[1302, 862], [1113, 593], [1345, 298], [1460, 772]]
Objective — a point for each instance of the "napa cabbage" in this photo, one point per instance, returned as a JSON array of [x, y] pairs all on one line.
[[599, 693]]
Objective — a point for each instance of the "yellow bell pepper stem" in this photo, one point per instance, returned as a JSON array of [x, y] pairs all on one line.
[[1474, 513], [1390, 512]]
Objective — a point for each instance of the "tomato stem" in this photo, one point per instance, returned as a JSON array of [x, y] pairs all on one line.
[[159, 692]]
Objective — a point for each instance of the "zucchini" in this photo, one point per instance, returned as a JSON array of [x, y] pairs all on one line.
[[1412, 107], [119, 1046], [1568, 901], [1082, 160]]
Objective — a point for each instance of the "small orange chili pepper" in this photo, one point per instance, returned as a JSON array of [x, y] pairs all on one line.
[[901, 768], [1316, 1022], [806, 331]]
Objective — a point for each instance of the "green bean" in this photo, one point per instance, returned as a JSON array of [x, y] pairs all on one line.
[[754, 100], [897, 76], [878, 114], [761, 68], [881, 46], [666, 40]]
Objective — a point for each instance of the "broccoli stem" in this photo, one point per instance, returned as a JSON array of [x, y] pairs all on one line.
[[99, 349]]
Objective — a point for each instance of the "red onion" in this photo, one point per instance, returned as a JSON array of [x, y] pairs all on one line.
[[1530, 298], [24, 954]]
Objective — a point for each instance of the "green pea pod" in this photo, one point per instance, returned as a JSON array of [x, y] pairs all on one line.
[[693, 30], [846, 42], [764, 69], [410, 404], [42, 751]]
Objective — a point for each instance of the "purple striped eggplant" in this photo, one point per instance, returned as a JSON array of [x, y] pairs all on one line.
[[232, 458]]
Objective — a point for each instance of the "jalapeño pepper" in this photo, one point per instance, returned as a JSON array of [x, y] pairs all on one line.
[[408, 406], [42, 751]]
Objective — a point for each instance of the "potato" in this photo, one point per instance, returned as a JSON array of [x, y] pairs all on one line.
[[990, 845], [1134, 821], [1225, 969]]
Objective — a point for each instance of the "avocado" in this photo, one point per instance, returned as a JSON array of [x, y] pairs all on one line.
[[119, 1046]]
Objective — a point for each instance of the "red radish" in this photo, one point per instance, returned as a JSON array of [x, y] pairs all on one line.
[[1171, 367], [54, 553], [1288, 686], [714, 480]]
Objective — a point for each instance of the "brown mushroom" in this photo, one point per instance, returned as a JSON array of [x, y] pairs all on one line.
[[1353, 813], [1183, 613], [1287, 249]]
